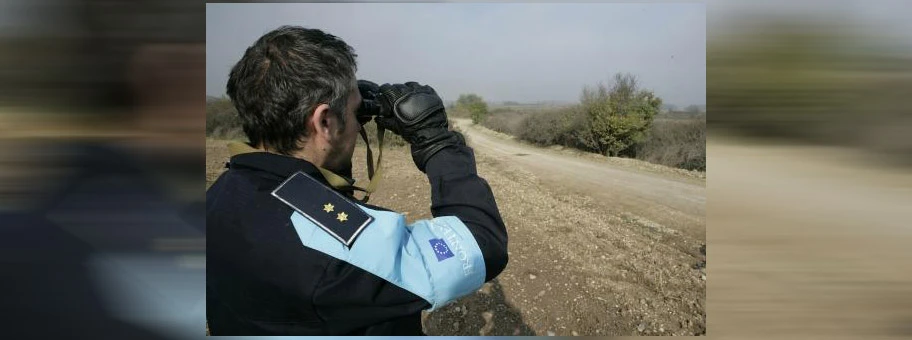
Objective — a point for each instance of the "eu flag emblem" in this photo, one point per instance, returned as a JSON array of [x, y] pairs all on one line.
[[440, 249]]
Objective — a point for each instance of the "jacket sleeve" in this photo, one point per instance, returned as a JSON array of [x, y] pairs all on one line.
[[350, 300], [456, 190], [423, 264]]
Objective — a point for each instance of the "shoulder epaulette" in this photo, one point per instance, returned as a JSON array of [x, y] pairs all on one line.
[[324, 207]]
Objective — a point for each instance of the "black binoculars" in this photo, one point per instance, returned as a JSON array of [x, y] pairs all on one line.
[[372, 105]]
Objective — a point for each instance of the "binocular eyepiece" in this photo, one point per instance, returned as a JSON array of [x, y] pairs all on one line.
[[372, 105]]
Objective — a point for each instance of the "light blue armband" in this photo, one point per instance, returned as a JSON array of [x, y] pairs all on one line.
[[436, 259]]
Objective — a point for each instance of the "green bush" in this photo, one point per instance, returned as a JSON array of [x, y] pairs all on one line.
[[579, 133], [474, 105], [566, 126], [679, 143], [620, 116], [616, 121]]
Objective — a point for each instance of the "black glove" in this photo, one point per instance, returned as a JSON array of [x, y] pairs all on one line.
[[417, 114]]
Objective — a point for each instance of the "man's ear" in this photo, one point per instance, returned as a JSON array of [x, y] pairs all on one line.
[[321, 122]]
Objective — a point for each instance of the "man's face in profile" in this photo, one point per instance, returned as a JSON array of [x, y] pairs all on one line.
[[339, 158]]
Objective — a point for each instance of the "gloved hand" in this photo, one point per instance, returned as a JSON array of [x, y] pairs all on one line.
[[417, 114]]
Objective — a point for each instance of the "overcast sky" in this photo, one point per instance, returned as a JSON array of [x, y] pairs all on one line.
[[519, 52]]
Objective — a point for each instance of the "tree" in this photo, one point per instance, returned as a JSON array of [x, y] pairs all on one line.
[[473, 104], [621, 115]]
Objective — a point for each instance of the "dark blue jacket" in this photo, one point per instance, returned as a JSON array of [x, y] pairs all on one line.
[[262, 281]]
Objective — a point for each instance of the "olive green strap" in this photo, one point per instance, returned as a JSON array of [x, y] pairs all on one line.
[[334, 180], [370, 154], [373, 173]]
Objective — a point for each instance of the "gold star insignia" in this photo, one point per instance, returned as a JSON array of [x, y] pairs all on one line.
[[342, 217], [328, 207]]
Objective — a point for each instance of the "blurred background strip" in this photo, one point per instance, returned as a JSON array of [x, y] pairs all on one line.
[[809, 154], [101, 160]]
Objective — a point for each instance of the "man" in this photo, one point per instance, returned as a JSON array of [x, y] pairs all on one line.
[[289, 253]]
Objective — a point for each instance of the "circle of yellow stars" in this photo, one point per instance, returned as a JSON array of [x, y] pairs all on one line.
[[342, 216]]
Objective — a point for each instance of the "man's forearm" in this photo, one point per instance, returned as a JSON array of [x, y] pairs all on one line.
[[456, 190]]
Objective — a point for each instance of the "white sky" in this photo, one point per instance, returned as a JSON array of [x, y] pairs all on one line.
[[519, 52]]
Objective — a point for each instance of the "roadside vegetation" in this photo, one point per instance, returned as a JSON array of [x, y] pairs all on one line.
[[620, 119]]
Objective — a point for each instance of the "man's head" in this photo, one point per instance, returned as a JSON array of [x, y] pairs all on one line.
[[296, 92]]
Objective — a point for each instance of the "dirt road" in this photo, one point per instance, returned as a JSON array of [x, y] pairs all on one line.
[[670, 201], [597, 246]]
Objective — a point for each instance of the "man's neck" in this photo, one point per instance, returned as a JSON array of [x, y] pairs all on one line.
[[311, 155], [305, 153], [335, 180]]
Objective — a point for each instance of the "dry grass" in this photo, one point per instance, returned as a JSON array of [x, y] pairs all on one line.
[[675, 143], [505, 121]]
